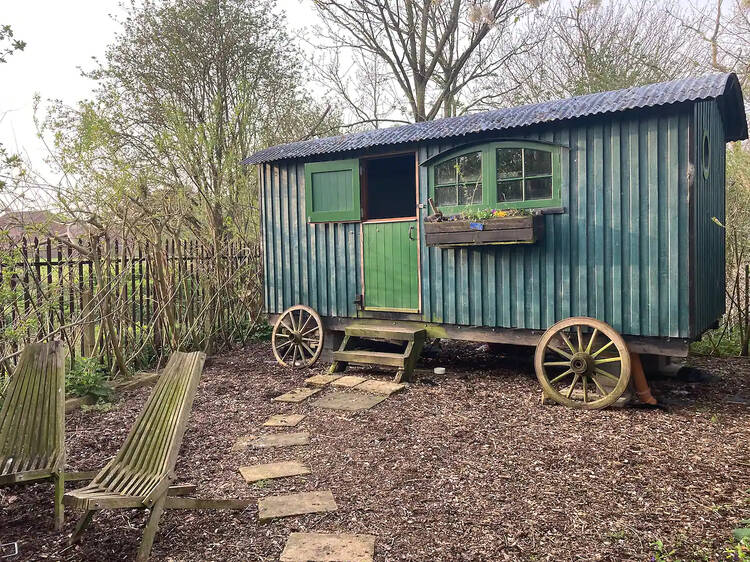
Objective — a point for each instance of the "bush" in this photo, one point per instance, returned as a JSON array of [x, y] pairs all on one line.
[[262, 331], [88, 377], [722, 342]]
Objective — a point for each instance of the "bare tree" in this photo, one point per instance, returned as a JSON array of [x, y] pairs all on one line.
[[593, 45], [432, 51], [723, 27]]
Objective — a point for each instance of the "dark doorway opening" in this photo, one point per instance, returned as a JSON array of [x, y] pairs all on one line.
[[390, 187]]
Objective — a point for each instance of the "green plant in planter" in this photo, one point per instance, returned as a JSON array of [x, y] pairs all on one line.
[[480, 215], [89, 377]]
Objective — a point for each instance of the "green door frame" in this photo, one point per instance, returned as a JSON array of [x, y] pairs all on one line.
[[415, 218]]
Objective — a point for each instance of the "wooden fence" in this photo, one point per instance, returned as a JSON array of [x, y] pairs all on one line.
[[48, 288]]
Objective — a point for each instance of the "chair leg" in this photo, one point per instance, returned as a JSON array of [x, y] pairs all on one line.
[[144, 551], [59, 479], [83, 522]]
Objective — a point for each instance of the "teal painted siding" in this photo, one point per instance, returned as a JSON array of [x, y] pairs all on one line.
[[314, 264], [709, 202], [620, 251]]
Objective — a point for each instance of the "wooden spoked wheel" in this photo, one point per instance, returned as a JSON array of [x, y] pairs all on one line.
[[297, 337], [582, 363]]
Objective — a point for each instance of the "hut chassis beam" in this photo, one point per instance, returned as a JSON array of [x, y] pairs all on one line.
[[671, 347]]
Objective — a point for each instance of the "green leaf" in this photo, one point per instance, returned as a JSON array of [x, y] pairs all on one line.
[[741, 533]]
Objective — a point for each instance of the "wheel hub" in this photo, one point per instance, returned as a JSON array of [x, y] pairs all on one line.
[[581, 363]]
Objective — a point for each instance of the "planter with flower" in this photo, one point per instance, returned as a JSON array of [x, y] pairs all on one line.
[[484, 226]]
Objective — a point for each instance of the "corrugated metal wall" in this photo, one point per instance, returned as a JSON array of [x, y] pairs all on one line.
[[619, 253], [616, 254], [313, 264], [709, 202]]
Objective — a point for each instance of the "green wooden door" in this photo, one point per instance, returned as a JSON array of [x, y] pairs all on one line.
[[391, 266]]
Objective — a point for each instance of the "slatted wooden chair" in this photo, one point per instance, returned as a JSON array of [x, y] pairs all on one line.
[[32, 421], [142, 472]]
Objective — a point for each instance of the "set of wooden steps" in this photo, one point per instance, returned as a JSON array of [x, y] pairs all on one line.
[[404, 362]]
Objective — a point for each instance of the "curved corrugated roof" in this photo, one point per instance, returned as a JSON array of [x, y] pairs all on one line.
[[723, 87]]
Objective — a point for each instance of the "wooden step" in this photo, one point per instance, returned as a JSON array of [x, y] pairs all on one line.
[[371, 358], [399, 333]]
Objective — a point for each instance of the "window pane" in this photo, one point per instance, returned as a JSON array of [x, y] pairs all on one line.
[[470, 167], [539, 188], [538, 162], [446, 196], [509, 163], [446, 172], [509, 191], [470, 193]]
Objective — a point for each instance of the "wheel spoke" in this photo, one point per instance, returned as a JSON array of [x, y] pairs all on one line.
[[567, 341], [585, 390], [285, 343], [572, 386], [310, 351], [580, 337], [282, 335], [288, 329], [302, 329], [560, 351], [608, 360], [558, 377], [299, 323], [591, 341], [599, 386], [286, 353], [556, 363], [595, 355], [310, 331], [606, 374]]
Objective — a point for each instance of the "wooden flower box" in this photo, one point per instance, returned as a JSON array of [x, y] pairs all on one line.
[[506, 230]]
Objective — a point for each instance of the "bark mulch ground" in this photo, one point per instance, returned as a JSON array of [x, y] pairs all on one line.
[[464, 466]]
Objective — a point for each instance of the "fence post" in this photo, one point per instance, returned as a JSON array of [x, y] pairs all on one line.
[[89, 332]]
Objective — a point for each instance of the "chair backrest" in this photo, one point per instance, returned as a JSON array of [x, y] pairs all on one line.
[[150, 450], [32, 418]]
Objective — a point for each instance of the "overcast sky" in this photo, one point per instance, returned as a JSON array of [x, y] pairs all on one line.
[[62, 36]]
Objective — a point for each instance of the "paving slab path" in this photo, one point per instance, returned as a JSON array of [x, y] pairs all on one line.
[[281, 440], [297, 395], [289, 505], [284, 420], [321, 380], [349, 401], [319, 547], [349, 381], [380, 387], [272, 470]]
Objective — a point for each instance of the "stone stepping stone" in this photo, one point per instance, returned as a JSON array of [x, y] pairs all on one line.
[[281, 440], [321, 380], [318, 547], [349, 381], [273, 507], [297, 395], [380, 387], [242, 443], [349, 401], [259, 472], [284, 420]]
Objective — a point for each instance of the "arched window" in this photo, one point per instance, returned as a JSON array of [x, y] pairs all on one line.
[[499, 175]]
